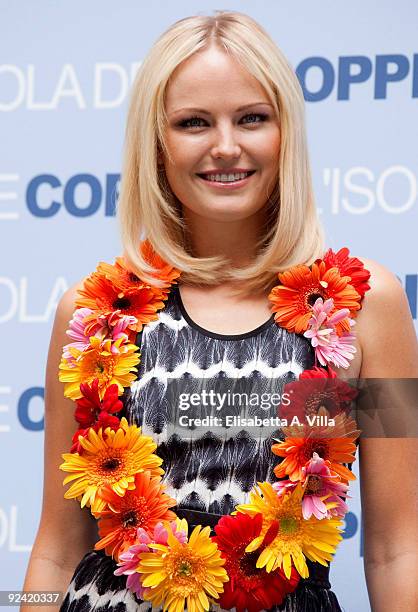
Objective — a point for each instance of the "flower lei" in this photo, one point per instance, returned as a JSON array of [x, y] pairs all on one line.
[[259, 552]]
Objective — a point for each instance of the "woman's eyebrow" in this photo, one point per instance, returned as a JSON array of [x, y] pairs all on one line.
[[202, 110]]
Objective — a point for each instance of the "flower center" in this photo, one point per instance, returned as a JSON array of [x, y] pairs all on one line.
[[316, 446], [122, 303], [319, 400], [187, 571], [136, 513], [247, 563], [184, 568], [100, 367], [95, 365], [130, 519], [314, 484], [312, 297], [288, 525], [110, 464], [133, 278], [321, 449]]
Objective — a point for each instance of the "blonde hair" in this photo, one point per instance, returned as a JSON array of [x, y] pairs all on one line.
[[147, 207]]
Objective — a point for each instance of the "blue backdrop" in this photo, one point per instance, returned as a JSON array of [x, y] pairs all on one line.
[[65, 73]]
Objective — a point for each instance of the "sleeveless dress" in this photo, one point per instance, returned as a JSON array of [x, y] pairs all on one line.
[[205, 472]]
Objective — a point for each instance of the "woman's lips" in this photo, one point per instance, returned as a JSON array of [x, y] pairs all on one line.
[[230, 185]]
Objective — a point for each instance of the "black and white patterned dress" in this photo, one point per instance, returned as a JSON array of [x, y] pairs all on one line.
[[207, 470]]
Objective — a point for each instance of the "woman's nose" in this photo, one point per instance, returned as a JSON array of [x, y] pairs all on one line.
[[226, 142]]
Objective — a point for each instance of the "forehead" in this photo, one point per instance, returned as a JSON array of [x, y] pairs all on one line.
[[212, 78]]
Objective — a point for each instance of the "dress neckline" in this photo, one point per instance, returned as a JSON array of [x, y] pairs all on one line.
[[216, 335]]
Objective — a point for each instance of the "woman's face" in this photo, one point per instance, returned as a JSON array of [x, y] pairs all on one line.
[[207, 132]]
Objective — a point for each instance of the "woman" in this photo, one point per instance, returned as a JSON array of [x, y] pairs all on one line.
[[217, 178]]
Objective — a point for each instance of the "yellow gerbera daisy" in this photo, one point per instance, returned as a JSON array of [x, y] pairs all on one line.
[[110, 460], [183, 574], [291, 537], [109, 361]]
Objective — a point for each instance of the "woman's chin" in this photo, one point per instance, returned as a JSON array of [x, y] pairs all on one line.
[[225, 213]]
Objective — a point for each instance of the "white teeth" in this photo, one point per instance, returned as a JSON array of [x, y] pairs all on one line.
[[226, 178]]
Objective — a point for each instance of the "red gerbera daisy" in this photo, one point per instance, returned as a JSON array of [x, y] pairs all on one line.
[[349, 266], [318, 391], [317, 372], [104, 420], [90, 405], [249, 587]]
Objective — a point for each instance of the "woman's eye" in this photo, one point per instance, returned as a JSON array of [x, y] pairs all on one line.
[[262, 116], [193, 122], [185, 122]]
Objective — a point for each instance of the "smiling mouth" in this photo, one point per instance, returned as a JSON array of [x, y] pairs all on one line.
[[224, 177]]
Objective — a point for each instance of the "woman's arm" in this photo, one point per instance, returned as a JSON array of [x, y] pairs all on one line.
[[66, 532], [389, 466]]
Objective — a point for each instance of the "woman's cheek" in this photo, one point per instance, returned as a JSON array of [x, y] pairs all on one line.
[[269, 143], [183, 152]]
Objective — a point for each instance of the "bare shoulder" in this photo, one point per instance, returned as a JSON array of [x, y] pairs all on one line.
[[386, 295], [384, 326], [383, 282], [67, 301], [64, 312]]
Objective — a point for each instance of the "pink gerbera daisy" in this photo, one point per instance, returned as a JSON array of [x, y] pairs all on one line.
[[113, 327], [76, 331], [129, 560], [328, 345], [323, 491]]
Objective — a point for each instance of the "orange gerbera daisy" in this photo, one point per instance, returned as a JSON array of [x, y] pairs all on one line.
[[123, 279], [111, 362], [126, 280], [301, 286], [166, 272], [104, 297], [110, 460], [298, 451], [144, 507]]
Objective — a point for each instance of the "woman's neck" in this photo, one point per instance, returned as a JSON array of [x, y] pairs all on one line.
[[237, 240]]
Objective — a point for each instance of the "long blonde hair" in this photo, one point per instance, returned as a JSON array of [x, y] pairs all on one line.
[[147, 207]]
